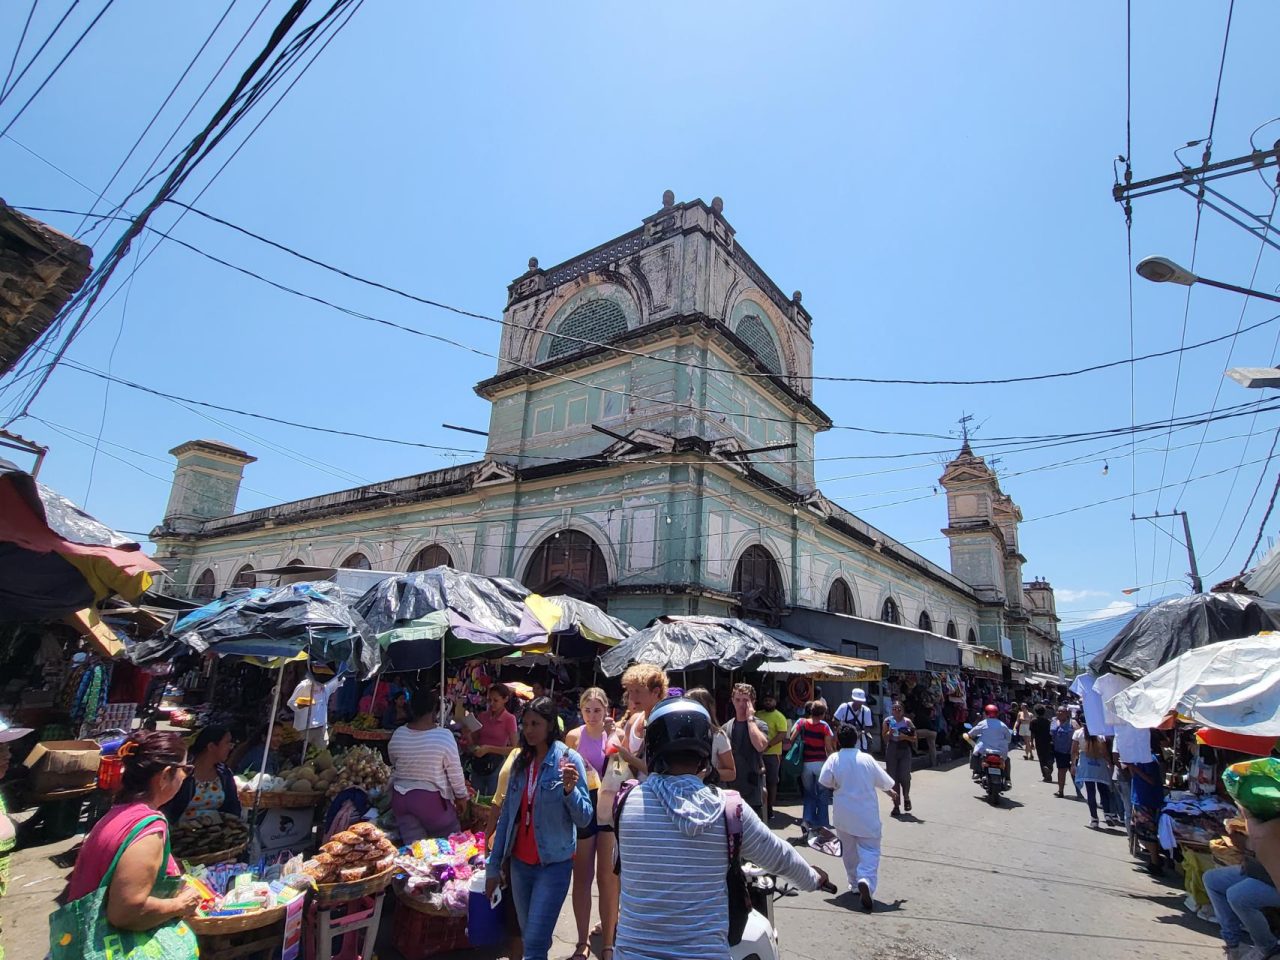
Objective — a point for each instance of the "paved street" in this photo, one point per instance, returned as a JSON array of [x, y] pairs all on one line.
[[960, 880]]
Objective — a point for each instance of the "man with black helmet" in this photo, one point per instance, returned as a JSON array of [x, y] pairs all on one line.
[[673, 834]]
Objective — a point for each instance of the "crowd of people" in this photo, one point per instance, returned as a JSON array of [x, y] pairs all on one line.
[[644, 814]]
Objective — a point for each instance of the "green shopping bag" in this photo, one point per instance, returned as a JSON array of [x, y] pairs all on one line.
[[793, 759], [80, 931]]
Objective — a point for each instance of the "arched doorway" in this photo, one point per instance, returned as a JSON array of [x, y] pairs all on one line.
[[245, 577], [430, 557], [205, 587], [840, 598], [757, 581], [568, 563], [357, 561]]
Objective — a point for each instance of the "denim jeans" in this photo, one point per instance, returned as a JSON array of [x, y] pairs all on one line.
[[816, 796], [539, 893], [1092, 789], [1238, 901]]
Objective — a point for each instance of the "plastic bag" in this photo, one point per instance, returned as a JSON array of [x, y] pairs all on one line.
[[1255, 785]]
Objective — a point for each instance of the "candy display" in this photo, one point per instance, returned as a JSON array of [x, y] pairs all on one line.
[[209, 832], [234, 889], [436, 873], [354, 854]]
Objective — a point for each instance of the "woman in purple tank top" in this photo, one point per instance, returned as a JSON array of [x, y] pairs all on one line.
[[594, 857]]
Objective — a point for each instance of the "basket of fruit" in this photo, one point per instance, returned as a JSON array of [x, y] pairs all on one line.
[[362, 767], [354, 863], [209, 837]]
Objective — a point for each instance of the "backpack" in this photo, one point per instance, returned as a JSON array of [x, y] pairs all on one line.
[[854, 712], [735, 878]]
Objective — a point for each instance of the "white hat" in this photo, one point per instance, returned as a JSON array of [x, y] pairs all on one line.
[[8, 733], [859, 696]]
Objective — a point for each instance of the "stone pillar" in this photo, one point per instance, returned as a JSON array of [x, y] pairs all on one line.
[[206, 483]]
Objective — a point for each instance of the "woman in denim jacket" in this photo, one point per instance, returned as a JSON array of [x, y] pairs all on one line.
[[537, 833]]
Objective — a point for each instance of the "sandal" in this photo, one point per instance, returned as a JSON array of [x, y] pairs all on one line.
[[581, 951]]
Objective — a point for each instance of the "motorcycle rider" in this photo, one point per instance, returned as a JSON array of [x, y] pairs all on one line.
[[673, 846], [990, 734]]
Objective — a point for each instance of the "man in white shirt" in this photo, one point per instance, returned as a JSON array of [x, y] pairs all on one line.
[[310, 705], [857, 713], [853, 777], [990, 734]]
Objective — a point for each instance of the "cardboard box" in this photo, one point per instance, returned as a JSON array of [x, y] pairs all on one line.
[[63, 765]]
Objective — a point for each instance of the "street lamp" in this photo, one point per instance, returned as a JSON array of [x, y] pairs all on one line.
[[1164, 270]]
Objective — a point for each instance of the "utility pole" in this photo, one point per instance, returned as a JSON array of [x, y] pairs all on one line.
[[1196, 585]]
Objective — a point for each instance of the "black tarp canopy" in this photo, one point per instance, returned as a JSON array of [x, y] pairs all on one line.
[[678, 643], [271, 623], [1169, 629]]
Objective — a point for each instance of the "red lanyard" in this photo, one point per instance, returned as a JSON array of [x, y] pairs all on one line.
[[530, 791]]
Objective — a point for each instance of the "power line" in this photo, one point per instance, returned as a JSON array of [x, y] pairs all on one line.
[[246, 91], [58, 66], [1261, 528], [22, 38], [900, 381], [156, 116], [8, 89]]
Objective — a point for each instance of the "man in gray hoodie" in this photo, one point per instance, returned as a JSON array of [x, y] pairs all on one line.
[[673, 847]]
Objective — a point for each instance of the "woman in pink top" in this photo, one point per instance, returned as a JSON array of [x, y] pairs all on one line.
[[490, 744], [593, 860], [154, 768]]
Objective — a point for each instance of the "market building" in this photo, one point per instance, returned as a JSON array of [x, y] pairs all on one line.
[[650, 448]]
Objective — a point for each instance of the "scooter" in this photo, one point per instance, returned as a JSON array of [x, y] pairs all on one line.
[[992, 775], [760, 937]]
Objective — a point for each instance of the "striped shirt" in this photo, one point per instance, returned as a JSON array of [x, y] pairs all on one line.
[[814, 734], [674, 901], [426, 760]]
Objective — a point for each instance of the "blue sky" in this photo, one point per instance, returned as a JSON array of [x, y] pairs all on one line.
[[935, 180]]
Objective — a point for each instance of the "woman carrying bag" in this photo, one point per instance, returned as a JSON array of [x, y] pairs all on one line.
[[125, 900]]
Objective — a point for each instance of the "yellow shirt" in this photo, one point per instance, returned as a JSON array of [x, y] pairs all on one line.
[[777, 724]]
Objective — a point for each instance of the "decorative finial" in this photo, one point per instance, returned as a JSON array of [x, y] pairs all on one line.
[[717, 205], [533, 264], [796, 297], [668, 199]]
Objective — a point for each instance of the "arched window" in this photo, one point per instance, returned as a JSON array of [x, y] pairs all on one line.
[[431, 557], [758, 583], [568, 562], [357, 561], [245, 578], [951, 630], [752, 330], [295, 562], [204, 588], [972, 637], [926, 621], [599, 321], [840, 597], [889, 611]]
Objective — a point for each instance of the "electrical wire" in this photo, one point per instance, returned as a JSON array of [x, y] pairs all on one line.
[[22, 38], [5, 91], [232, 110], [58, 66], [156, 116], [1261, 528]]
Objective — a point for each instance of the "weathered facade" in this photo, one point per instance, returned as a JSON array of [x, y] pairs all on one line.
[[651, 446]]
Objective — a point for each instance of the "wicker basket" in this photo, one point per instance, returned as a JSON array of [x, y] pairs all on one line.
[[358, 733], [220, 926], [286, 799], [219, 856], [328, 894]]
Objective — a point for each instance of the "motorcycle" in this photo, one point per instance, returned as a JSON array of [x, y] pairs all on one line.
[[993, 776], [760, 937]]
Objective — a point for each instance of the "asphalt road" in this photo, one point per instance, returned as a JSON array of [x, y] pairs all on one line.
[[959, 879]]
